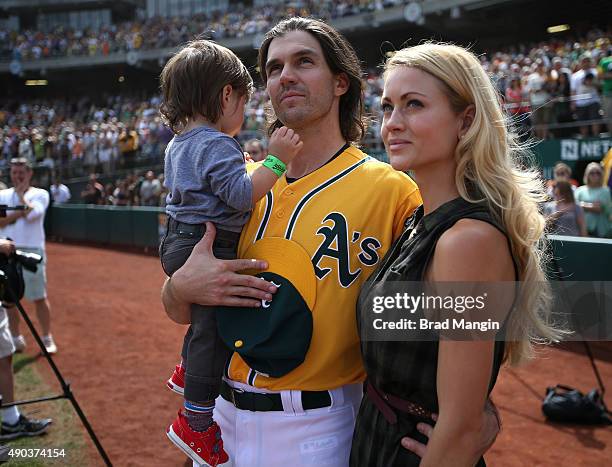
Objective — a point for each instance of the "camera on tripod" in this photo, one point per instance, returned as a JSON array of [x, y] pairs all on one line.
[[12, 286], [29, 261]]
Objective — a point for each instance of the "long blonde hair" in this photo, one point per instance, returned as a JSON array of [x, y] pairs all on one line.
[[489, 158], [590, 168]]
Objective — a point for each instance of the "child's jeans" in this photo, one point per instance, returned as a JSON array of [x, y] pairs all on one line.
[[204, 354]]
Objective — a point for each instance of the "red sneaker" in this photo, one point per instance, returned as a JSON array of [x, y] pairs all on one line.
[[176, 382], [204, 448]]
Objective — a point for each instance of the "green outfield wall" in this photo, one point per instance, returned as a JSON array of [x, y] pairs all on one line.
[[580, 258], [136, 226], [574, 258]]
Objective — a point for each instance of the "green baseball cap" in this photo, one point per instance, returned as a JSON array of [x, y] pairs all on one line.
[[273, 339]]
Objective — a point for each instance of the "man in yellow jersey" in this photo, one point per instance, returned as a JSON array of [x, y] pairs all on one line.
[[344, 209]]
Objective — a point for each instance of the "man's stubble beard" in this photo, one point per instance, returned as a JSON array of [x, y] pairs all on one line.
[[304, 115]]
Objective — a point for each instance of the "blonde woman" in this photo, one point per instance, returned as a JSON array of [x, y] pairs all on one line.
[[479, 222], [594, 198]]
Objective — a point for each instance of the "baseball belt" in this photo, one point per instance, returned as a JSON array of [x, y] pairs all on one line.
[[261, 402]]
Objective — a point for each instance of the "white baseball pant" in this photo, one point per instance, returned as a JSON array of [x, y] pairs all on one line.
[[293, 437]]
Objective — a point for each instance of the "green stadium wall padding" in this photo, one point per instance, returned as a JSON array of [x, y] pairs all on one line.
[[581, 258], [107, 225], [98, 224], [69, 222], [122, 231], [146, 226]]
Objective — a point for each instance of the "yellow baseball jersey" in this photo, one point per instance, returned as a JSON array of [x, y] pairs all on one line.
[[346, 215]]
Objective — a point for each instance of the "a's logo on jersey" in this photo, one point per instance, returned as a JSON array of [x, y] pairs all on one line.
[[335, 245]]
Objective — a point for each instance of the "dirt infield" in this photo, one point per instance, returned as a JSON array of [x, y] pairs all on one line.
[[117, 348]]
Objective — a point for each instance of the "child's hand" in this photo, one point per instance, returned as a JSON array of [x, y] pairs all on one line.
[[284, 144]]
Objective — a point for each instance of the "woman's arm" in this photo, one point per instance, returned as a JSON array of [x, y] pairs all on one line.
[[588, 206], [471, 251], [594, 207], [464, 371]]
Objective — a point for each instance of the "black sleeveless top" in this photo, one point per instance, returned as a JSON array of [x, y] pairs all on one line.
[[406, 369]]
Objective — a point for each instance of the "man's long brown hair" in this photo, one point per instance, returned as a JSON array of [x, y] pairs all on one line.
[[340, 57]]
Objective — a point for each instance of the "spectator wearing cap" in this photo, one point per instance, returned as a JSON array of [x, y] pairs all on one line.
[[594, 198]]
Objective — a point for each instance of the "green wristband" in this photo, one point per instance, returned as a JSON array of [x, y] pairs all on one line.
[[275, 165]]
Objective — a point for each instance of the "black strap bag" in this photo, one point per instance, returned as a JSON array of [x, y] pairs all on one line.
[[566, 404]]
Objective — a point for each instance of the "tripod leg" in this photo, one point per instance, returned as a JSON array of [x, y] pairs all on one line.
[[65, 386], [602, 388]]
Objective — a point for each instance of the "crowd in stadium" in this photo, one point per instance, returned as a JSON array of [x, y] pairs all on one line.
[[547, 87], [77, 133], [554, 83], [143, 188], [159, 32]]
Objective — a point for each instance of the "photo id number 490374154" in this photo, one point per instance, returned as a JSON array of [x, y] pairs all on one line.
[[33, 453]]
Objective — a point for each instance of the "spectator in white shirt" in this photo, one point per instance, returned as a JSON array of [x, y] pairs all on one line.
[[60, 193], [149, 190], [586, 66], [538, 84], [26, 229], [588, 104]]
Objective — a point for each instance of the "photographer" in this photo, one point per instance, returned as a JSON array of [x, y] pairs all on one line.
[[26, 229], [14, 424]]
